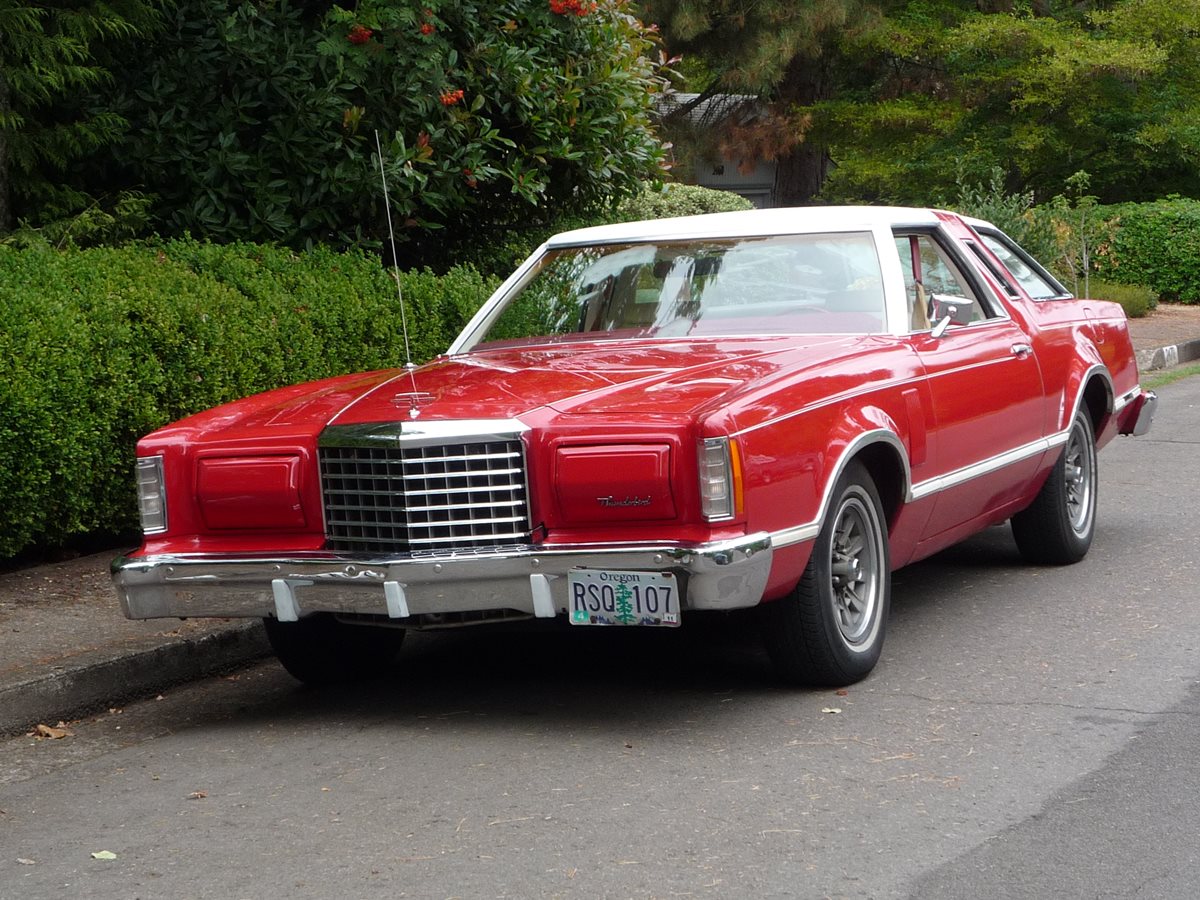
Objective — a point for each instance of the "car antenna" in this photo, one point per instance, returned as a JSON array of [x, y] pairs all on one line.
[[410, 367]]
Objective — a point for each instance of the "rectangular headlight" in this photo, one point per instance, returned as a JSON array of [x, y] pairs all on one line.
[[152, 494], [716, 479]]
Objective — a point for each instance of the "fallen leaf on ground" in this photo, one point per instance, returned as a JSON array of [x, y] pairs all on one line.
[[22, 861], [832, 710], [54, 734], [104, 854], [197, 795]]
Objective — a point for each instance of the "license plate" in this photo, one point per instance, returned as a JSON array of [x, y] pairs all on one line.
[[609, 597]]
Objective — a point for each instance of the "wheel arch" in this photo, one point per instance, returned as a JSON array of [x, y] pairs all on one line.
[[887, 464], [1096, 398], [881, 452], [1091, 392]]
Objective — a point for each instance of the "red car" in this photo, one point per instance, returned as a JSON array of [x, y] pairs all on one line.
[[649, 420]]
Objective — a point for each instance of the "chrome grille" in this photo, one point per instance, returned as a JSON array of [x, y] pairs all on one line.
[[394, 497]]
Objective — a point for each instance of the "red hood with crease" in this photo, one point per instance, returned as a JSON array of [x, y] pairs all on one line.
[[635, 379]]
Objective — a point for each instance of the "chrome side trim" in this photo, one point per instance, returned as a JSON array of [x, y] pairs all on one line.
[[809, 530], [986, 467], [721, 575], [1125, 399], [797, 535]]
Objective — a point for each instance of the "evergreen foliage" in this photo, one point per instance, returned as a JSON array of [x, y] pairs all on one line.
[[890, 100], [49, 53]]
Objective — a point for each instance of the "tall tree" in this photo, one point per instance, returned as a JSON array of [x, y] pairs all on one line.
[[894, 102], [784, 52], [49, 52]]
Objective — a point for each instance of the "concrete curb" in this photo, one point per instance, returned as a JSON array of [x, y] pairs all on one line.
[[1165, 357], [75, 690]]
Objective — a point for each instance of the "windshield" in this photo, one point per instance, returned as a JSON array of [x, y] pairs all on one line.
[[804, 284]]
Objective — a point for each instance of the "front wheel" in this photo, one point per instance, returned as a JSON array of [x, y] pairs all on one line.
[[320, 649], [829, 631], [1057, 527]]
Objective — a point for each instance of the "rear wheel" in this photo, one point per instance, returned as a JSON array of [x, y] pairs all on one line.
[[830, 630], [1057, 527], [320, 649]]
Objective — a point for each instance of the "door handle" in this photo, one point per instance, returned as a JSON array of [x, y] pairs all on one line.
[[1021, 349]]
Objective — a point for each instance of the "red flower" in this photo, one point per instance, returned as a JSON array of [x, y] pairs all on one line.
[[449, 98], [359, 34], [472, 181], [567, 7], [426, 28]]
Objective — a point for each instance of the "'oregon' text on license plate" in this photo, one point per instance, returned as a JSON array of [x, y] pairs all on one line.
[[606, 597]]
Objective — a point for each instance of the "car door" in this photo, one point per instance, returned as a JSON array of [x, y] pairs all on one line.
[[985, 385]]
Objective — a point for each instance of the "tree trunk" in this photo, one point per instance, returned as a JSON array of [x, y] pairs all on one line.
[[800, 174], [5, 194]]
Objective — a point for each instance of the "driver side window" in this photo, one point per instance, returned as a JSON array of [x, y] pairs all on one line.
[[928, 270]]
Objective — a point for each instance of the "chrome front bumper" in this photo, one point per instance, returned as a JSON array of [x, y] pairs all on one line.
[[725, 575]]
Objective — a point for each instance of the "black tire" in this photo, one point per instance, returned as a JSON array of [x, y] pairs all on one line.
[[1057, 528], [320, 650], [829, 631]]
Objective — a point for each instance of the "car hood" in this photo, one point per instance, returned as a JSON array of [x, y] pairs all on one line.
[[633, 380], [628, 378]]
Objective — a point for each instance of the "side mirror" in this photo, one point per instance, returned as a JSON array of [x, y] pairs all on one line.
[[949, 310]]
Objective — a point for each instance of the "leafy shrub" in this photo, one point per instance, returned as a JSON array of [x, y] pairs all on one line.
[[105, 345], [1013, 213], [1155, 244], [257, 121], [1136, 299], [679, 200], [122, 219]]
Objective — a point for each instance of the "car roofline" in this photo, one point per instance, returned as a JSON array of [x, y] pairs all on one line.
[[751, 223]]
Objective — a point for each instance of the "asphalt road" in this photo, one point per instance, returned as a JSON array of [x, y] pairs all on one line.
[[1031, 732]]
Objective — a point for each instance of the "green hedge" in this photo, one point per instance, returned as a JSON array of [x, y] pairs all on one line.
[[102, 346], [1156, 244], [1136, 299], [679, 200]]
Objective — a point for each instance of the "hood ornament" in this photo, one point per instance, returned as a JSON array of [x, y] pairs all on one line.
[[414, 400]]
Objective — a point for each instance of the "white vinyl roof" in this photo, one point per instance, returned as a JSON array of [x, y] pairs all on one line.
[[796, 220]]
